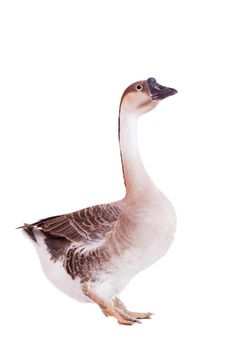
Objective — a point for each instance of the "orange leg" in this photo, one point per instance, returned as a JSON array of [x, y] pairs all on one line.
[[109, 308]]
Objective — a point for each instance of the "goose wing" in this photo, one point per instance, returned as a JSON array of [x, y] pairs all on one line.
[[89, 224]]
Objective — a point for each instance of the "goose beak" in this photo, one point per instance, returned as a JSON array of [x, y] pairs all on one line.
[[159, 92]]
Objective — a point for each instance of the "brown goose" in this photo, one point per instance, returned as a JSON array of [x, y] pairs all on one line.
[[92, 254]]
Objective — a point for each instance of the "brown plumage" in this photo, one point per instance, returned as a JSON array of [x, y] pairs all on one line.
[[83, 225]]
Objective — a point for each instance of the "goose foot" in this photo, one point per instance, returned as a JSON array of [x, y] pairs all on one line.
[[121, 316], [113, 308], [138, 315]]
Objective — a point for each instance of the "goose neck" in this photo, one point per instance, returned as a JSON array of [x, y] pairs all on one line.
[[137, 181]]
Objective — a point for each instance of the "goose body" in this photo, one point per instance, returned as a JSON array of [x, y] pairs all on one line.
[[93, 253]]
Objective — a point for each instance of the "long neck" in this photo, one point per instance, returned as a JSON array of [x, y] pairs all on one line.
[[137, 181]]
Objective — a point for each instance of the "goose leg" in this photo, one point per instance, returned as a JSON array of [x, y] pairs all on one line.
[[108, 308], [138, 315]]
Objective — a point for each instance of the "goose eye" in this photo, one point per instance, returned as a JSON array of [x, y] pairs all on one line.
[[139, 87]]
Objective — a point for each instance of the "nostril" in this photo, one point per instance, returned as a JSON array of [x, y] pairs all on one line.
[[173, 91]]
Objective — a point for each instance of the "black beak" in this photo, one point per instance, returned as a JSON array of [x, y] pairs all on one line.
[[159, 92]]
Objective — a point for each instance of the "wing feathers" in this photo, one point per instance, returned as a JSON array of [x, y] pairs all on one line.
[[84, 225]]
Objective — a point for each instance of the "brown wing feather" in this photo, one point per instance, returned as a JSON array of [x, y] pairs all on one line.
[[83, 225]]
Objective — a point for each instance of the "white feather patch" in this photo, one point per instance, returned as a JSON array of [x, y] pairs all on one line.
[[90, 246]]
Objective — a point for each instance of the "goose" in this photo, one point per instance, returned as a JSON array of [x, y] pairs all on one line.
[[93, 253]]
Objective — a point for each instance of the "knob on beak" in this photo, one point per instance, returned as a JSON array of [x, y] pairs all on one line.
[[159, 92]]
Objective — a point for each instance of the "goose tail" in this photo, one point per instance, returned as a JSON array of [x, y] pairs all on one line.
[[28, 229]]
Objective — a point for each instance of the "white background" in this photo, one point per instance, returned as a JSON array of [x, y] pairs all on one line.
[[64, 65]]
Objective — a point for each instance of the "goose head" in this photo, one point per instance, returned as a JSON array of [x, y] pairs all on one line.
[[143, 96]]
